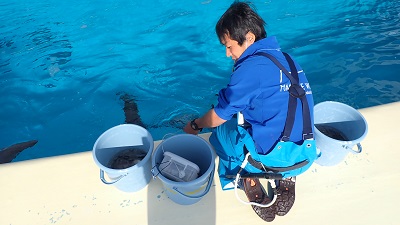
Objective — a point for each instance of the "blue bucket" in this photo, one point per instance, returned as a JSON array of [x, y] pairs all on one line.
[[120, 139], [339, 129], [196, 150]]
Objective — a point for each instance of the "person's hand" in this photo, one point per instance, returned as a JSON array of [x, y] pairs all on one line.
[[188, 129]]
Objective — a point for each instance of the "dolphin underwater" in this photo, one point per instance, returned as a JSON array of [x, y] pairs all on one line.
[[131, 110], [132, 116], [9, 153]]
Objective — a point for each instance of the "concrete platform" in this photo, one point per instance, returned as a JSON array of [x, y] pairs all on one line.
[[363, 189]]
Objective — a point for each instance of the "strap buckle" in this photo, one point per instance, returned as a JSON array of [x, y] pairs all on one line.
[[308, 136], [285, 138], [296, 91]]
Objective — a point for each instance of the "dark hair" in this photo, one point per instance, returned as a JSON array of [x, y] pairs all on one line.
[[238, 20]]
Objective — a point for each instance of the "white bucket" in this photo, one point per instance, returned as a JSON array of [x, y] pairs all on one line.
[[338, 128], [114, 141], [196, 150]]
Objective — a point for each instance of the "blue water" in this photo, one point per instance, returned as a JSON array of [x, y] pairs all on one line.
[[63, 63]]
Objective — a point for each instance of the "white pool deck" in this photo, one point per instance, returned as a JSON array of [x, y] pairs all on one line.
[[364, 189]]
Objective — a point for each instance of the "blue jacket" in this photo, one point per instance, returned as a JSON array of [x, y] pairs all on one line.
[[259, 90]]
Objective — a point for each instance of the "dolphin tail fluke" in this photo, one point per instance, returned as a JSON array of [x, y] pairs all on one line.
[[9, 153]]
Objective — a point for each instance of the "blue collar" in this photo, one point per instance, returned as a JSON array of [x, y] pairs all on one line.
[[268, 43]]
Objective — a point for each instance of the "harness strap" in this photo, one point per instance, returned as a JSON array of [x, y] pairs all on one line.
[[271, 176], [291, 113], [307, 125], [295, 92], [261, 166]]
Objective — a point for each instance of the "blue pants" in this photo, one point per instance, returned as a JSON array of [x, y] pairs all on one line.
[[229, 140]]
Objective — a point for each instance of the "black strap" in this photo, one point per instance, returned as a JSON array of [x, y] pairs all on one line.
[[295, 92], [262, 167], [291, 113], [274, 176], [307, 125]]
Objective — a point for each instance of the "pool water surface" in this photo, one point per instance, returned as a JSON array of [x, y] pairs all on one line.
[[65, 65]]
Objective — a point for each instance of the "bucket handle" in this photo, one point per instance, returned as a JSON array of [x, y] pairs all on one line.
[[359, 148], [205, 191], [112, 182]]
